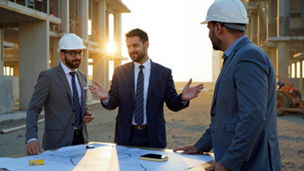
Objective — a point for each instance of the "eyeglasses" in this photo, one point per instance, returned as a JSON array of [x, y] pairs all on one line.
[[73, 53]]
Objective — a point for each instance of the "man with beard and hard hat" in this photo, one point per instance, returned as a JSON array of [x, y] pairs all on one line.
[[140, 89], [62, 92], [243, 129]]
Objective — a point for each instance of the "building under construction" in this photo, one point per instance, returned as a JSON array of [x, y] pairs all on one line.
[[29, 35], [277, 26]]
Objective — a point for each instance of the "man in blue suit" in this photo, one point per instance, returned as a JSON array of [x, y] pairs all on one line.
[[139, 89], [243, 129]]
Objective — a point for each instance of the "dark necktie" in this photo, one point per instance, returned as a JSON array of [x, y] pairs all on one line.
[[76, 105], [139, 103]]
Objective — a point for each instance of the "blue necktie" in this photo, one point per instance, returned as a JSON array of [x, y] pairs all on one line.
[[76, 105], [139, 103]]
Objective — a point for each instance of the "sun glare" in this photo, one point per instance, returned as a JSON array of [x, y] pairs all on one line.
[[111, 48]]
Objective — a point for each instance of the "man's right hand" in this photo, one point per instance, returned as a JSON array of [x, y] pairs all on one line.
[[99, 91], [187, 149], [33, 148]]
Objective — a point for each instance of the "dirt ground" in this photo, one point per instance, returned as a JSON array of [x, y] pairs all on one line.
[[186, 127], [183, 128]]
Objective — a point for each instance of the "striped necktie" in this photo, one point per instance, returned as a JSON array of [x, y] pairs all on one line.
[[139, 103], [76, 104]]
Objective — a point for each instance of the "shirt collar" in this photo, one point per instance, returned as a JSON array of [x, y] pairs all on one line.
[[229, 50], [66, 69], [147, 64]]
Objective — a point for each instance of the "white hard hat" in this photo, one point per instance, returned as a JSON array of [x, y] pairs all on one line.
[[227, 11], [70, 41]]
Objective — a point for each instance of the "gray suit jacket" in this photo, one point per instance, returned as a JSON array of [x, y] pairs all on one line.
[[53, 92], [243, 129]]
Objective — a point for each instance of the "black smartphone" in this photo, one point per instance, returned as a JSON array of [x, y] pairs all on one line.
[[154, 157]]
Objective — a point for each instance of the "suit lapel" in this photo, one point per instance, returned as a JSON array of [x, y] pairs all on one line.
[[152, 80], [131, 80], [63, 78], [81, 84], [226, 65]]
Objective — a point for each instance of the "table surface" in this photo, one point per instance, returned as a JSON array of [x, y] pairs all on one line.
[[197, 168]]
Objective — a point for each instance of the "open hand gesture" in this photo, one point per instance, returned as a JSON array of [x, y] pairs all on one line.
[[99, 91], [191, 92]]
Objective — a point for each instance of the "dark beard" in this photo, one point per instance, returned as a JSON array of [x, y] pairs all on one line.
[[70, 63], [215, 42], [138, 59]]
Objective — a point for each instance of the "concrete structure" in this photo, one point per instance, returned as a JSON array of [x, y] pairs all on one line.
[[6, 98], [277, 26], [30, 30], [217, 62]]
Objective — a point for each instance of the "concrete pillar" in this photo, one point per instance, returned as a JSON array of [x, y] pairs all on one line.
[[253, 28], [56, 56], [283, 59], [65, 16], [283, 17], [33, 56], [273, 57], [100, 65], [1, 51], [248, 30], [83, 18], [83, 29], [6, 91], [117, 37]]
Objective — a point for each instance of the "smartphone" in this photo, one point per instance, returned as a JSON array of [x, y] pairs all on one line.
[[154, 157]]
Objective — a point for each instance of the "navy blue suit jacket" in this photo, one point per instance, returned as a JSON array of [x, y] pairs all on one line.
[[161, 89], [243, 129]]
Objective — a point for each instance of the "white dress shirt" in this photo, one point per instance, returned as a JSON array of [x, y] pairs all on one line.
[[146, 71], [69, 78]]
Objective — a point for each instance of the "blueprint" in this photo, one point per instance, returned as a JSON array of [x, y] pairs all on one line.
[[104, 156]]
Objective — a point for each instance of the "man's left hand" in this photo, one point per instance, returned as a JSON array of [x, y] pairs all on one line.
[[216, 167], [191, 92], [88, 117]]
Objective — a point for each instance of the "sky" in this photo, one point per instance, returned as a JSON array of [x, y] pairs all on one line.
[[176, 37]]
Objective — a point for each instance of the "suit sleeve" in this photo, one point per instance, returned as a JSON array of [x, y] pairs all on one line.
[[113, 93], [173, 100], [38, 99], [251, 80], [204, 144]]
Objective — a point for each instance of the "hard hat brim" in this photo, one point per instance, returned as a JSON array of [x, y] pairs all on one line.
[[204, 22]]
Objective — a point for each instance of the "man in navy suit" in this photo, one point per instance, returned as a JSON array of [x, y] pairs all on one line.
[[139, 89], [243, 129]]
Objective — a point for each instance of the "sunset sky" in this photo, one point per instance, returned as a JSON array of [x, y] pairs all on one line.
[[177, 39]]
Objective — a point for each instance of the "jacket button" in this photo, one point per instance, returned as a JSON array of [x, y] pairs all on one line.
[[73, 110], [73, 124]]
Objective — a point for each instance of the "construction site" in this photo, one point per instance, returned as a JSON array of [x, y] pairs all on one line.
[[29, 34]]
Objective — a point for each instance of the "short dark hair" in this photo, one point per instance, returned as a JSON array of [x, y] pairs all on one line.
[[143, 36]]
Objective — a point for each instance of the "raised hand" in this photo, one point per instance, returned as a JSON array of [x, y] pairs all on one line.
[[191, 92], [99, 91]]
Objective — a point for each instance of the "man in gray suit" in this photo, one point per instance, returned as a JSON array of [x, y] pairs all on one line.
[[243, 129], [62, 92]]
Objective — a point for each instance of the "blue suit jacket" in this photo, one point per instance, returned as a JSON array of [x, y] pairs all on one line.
[[161, 89], [243, 129]]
